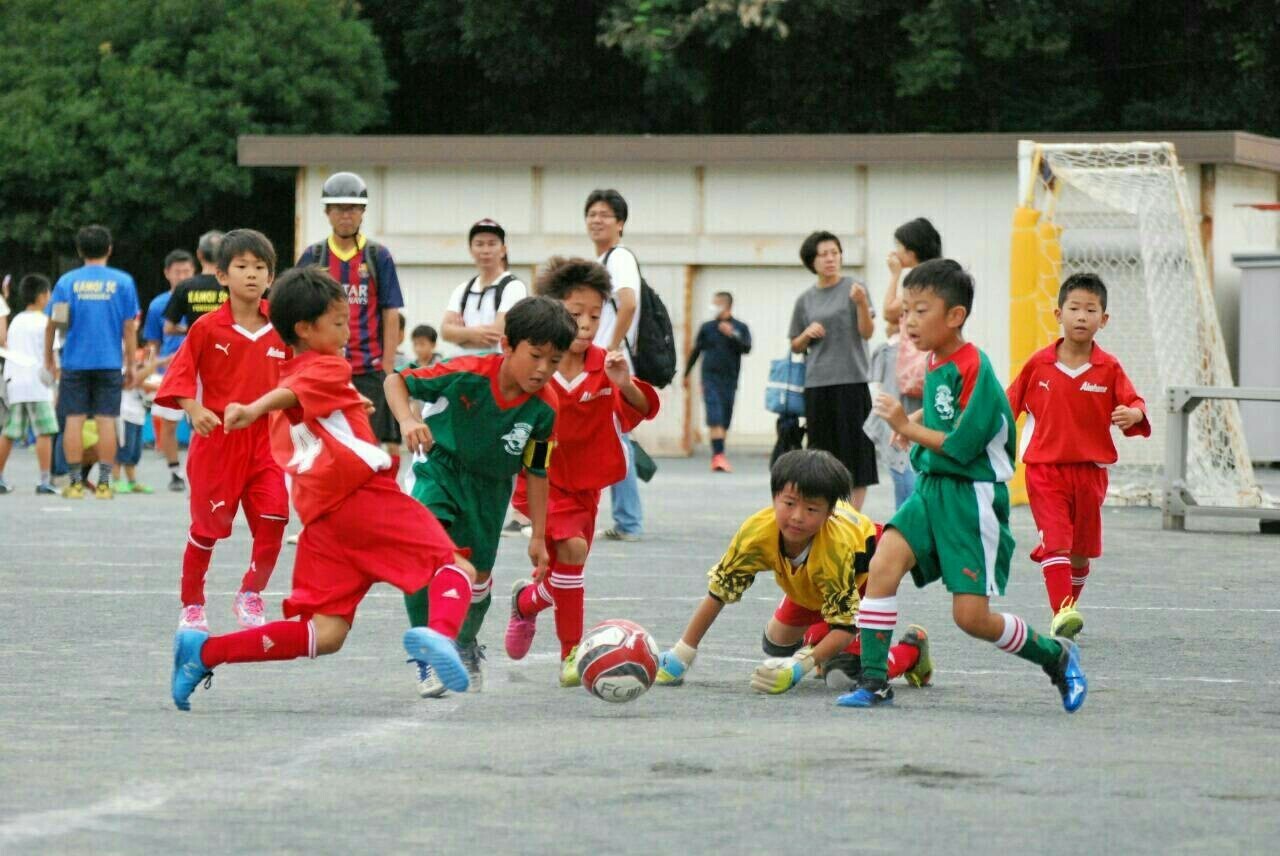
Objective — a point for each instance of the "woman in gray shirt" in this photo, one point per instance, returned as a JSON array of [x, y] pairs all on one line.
[[830, 325]]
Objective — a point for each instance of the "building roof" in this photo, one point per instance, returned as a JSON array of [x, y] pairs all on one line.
[[1222, 147]]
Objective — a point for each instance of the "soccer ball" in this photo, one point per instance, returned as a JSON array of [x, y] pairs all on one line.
[[617, 660]]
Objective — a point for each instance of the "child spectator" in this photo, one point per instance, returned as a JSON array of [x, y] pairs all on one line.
[[598, 398], [722, 342], [955, 526], [424, 346], [179, 266], [487, 418], [30, 387], [1073, 392], [133, 415], [817, 547], [320, 432], [402, 359], [891, 450], [230, 354]]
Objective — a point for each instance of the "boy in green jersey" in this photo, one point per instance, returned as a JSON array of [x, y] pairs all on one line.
[[955, 525], [486, 418]]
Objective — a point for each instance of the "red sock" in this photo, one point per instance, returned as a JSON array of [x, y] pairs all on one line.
[[533, 599], [395, 467], [448, 599], [195, 564], [854, 647], [1057, 580], [817, 632], [279, 640], [1078, 577], [268, 536], [901, 658], [566, 590]]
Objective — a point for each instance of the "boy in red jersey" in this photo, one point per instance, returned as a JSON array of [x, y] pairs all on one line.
[[230, 354], [598, 398], [1073, 392], [359, 527]]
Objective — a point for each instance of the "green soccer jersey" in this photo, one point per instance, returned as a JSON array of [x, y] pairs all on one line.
[[964, 400], [474, 425]]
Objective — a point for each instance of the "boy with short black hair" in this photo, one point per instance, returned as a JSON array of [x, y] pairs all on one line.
[[818, 547], [339, 474], [1073, 392], [724, 340], [424, 346], [487, 418], [230, 354], [29, 388], [598, 397], [955, 525]]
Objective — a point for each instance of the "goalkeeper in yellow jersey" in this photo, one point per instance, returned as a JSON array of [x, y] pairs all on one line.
[[818, 547]]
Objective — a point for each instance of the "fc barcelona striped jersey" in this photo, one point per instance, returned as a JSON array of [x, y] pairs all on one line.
[[964, 400], [368, 293]]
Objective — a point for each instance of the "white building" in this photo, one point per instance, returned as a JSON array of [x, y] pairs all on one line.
[[710, 213]]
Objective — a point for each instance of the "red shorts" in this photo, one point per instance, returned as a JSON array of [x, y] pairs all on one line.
[[377, 534], [1066, 502], [570, 513], [227, 470]]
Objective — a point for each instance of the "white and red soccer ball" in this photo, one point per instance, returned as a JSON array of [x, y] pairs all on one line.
[[617, 660]]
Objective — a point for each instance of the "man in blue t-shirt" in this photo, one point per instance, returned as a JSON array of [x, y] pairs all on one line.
[[179, 266], [721, 343], [96, 307]]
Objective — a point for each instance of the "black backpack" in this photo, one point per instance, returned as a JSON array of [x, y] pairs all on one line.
[[497, 287], [654, 356], [320, 254]]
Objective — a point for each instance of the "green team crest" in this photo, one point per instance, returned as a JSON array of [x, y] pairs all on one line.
[[945, 403], [517, 437]]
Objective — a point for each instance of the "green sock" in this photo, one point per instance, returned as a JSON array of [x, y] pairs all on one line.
[[875, 652], [1023, 641], [475, 617], [416, 605]]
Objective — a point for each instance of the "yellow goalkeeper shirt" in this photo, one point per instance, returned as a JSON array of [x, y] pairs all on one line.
[[825, 579]]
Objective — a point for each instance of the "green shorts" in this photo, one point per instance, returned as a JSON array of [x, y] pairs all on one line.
[[470, 507], [38, 416], [959, 531]]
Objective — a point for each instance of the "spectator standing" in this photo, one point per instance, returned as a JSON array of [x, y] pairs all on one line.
[[99, 307], [196, 297], [30, 393], [721, 342], [179, 266], [606, 216], [830, 325], [477, 309]]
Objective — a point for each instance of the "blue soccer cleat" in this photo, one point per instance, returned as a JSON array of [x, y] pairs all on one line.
[[439, 652], [1068, 676], [671, 669], [188, 669], [870, 693]]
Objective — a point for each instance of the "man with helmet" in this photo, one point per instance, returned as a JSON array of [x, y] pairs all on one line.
[[367, 272]]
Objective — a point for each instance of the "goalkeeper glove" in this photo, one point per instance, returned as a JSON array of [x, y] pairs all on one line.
[[673, 664], [779, 674]]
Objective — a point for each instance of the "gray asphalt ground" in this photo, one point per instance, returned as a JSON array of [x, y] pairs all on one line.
[[1176, 750]]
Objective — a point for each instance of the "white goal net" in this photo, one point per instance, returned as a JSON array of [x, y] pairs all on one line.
[[1124, 213]]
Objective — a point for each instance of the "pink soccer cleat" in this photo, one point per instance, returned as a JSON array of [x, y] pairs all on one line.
[[520, 630], [192, 618], [250, 610]]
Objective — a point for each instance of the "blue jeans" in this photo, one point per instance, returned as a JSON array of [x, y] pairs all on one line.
[[628, 516], [903, 484]]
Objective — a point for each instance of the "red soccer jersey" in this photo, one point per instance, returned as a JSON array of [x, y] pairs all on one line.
[[1069, 410], [593, 416], [221, 362], [325, 444]]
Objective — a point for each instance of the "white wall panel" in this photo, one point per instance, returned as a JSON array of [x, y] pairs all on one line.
[[1237, 230], [447, 200], [662, 200], [746, 200]]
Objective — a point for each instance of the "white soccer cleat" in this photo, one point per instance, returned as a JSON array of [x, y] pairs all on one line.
[[429, 683], [192, 618], [249, 609], [472, 656]]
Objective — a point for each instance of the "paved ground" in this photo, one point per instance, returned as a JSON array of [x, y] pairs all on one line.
[[1176, 750]]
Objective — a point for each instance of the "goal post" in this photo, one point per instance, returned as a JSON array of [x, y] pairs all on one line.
[[1123, 211]]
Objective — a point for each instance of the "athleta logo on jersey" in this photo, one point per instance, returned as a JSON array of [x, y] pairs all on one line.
[[945, 403], [275, 352], [600, 393], [1092, 387], [358, 294], [517, 437]]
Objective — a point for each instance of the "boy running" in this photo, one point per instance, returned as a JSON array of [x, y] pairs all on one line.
[[598, 397], [817, 546], [1073, 392], [339, 474], [955, 525], [231, 354], [486, 418]]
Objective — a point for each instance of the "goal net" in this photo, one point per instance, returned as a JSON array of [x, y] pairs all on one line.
[[1123, 211]]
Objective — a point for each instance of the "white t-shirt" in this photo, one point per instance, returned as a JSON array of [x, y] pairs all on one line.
[[480, 309], [625, 273], [26, 337]]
